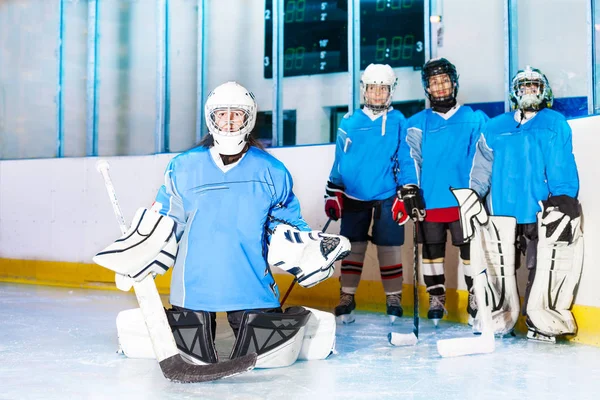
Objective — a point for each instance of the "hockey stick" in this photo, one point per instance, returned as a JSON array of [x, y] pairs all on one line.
[[173, 367], [287, 293], [411, 339]]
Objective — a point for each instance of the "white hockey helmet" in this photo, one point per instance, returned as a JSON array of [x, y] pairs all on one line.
[[378, 74], [230, 97]]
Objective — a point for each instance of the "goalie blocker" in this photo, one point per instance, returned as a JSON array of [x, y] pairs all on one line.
[[149, 246], [279, 339]]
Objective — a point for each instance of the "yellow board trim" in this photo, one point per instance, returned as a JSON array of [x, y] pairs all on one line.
[[369, 296]]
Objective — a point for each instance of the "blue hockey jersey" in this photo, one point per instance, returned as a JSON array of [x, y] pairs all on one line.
[[436, 152], [222, 217], [518, 165], [364, 155]]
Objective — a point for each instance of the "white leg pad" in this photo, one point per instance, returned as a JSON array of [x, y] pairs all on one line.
[[557, 275], [319, 337], [134, 340], [499, 255]]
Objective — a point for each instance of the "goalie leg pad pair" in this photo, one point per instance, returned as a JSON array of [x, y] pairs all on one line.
[[557, 275], [149, 246], [309, 256], [279, 339]]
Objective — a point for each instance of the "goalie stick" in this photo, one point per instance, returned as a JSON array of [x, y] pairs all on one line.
[[411, 339], [485, 343], [173, 367]]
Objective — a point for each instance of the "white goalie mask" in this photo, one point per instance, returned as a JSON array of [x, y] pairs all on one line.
[[230, 113], [377, 85], [530, 90]]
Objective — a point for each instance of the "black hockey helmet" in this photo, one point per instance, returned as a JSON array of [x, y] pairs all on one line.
[[438, 66]]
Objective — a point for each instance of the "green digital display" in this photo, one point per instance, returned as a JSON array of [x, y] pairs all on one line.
[[316, 35]]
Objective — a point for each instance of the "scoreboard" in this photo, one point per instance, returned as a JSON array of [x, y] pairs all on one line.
[[316, 35]]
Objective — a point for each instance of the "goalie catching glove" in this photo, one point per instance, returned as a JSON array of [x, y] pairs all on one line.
[[309, 256], [149, 246]]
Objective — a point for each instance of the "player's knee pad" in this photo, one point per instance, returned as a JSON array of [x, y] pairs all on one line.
[[495, 250], [192, 331], [557, 274], [275, 337]]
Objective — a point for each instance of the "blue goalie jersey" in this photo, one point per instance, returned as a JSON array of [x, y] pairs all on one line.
[[223, 216], [519, 164]]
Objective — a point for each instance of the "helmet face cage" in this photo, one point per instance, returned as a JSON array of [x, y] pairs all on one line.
[[229, 120], [375, 88], [435, 67], [530, 90], [378, 76]]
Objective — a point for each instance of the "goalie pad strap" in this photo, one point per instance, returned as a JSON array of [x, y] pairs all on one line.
[[275, 337]]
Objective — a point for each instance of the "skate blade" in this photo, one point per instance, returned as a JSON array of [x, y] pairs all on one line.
[[540, 338], [392, 319], [435, 321], [345, 319]]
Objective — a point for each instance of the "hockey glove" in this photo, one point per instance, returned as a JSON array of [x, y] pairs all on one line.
[[399, 213], [413, 202], [560, 218], [309, 256], [334, 200]]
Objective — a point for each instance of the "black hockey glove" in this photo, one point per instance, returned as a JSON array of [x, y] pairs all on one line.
[[565, 204], [413, 201]]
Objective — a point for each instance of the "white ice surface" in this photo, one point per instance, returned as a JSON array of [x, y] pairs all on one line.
[[59, 343]]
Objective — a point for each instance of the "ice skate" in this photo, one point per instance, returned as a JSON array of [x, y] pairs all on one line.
[[344, 312], [436, 308], [394, 306]]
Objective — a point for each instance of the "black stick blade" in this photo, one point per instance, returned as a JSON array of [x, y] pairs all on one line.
[[177, 370]]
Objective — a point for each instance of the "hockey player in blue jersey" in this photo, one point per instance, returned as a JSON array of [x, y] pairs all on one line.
[[234, 216], [525, 169], [362, 187], [436, 153]]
